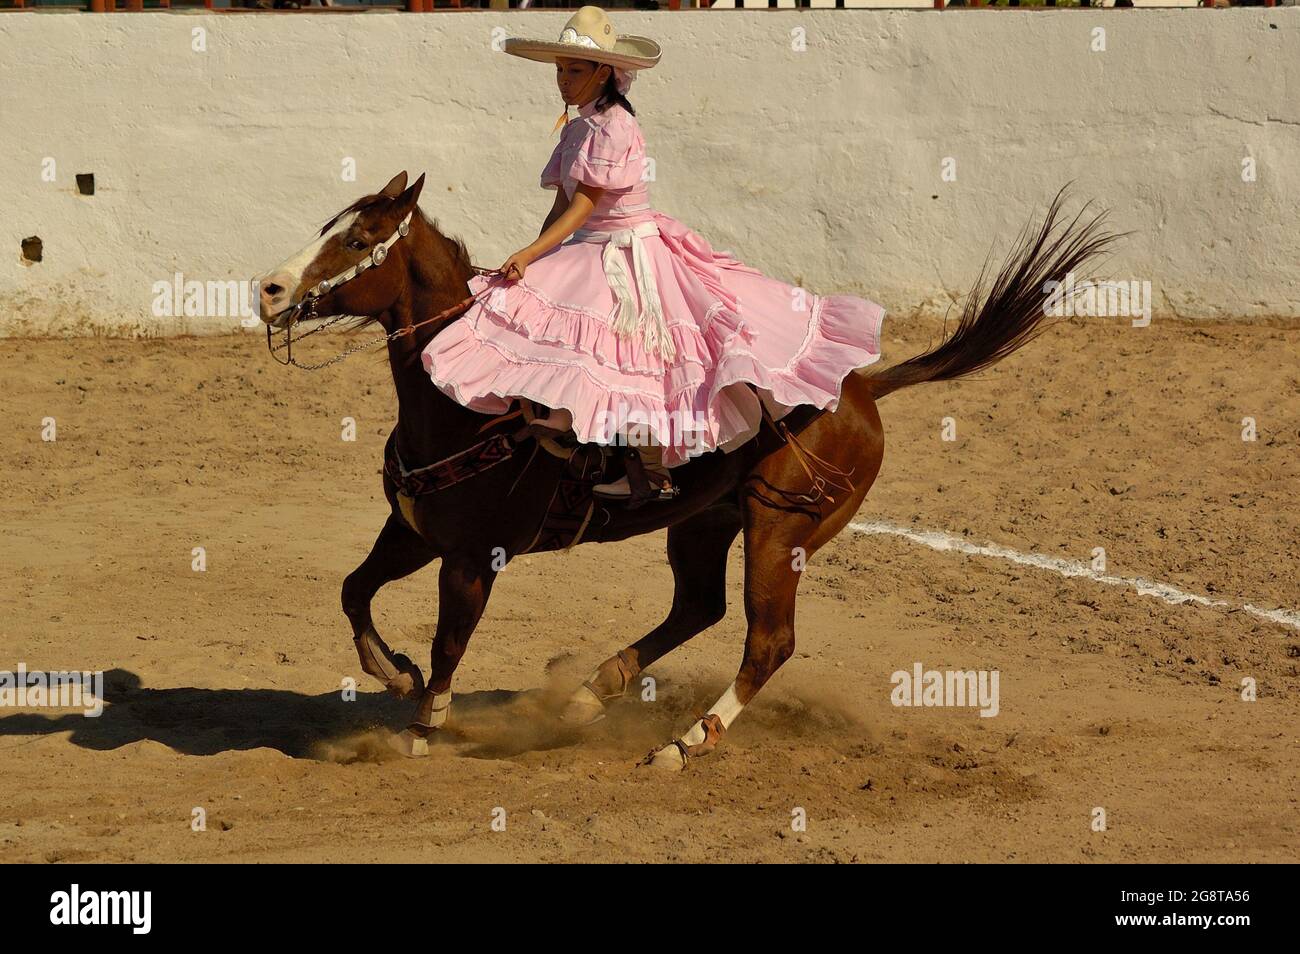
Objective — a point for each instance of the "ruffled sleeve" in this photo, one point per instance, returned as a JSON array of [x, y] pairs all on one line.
[[551, 177], [610, 156]]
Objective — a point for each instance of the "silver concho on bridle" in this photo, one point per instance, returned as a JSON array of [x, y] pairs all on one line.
[[305, 309]]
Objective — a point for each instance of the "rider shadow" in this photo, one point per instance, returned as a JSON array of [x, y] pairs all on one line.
[[211, 721]]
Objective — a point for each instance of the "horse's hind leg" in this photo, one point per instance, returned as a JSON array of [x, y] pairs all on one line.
[[773, 534], [398, 551], [697, 553], [770, 584]]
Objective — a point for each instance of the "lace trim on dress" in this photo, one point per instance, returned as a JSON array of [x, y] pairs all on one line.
[[605, 319], [534, 334], [524, 361]]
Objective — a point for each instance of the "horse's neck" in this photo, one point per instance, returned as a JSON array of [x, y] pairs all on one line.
[[430, 425]]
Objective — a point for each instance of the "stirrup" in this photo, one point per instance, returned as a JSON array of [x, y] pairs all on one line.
[[641, 490]]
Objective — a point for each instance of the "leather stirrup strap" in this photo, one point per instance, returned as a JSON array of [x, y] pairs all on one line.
[[822, 473]]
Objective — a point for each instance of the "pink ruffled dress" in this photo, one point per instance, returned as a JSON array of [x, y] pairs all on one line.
[[635, 324]]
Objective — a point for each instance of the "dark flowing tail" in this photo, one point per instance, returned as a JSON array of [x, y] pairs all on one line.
[[1014, 313]]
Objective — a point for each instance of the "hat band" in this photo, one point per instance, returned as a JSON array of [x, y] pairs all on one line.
[[571, 37]]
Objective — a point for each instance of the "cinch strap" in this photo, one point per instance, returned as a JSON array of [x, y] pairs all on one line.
[[650, 320]]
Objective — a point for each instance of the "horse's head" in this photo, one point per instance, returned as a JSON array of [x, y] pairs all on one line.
[[354, 266]]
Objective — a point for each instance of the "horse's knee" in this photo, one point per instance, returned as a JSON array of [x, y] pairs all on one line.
[[353, 595], [764, 655], [699, 614], [780, 648]]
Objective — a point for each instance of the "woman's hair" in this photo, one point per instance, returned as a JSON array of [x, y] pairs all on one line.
[[610, 93]]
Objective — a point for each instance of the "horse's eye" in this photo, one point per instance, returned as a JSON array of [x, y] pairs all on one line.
[[357, 245]]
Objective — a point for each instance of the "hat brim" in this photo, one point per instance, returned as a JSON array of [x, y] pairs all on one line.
[[629, 53]]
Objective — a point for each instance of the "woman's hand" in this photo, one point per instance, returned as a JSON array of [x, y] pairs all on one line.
[[515, 265]]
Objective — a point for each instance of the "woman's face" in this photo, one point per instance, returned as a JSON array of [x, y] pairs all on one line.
[[574, 79]]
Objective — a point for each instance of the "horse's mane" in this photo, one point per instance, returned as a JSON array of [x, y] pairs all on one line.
[[455, 247]]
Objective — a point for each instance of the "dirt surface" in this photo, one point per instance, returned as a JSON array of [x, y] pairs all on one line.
[[224, 685]]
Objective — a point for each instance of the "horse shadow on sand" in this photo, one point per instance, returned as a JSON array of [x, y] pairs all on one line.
[[497, 723]]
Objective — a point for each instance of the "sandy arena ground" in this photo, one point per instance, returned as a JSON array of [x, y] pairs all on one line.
[[225, 684]]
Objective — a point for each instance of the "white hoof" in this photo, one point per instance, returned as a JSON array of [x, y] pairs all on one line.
[[409, 744], [669, 759], [583, 708]]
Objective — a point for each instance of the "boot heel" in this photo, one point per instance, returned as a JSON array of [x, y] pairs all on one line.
[[648, 483]]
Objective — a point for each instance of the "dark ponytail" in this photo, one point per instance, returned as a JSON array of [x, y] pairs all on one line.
[[610, 94]]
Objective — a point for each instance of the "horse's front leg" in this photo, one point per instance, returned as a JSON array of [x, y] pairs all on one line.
[[397, 552], [464, 584]]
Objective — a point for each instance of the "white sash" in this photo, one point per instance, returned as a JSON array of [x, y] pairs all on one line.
[[650, 321]]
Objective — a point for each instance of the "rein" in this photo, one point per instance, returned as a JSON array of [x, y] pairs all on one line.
[[310, 312]]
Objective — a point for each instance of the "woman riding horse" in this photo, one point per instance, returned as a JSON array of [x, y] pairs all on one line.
[[622, 320]]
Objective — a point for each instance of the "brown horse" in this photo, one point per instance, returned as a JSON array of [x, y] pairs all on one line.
[[381, 260]]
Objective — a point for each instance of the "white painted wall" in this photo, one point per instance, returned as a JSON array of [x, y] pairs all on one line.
[[821, 167]]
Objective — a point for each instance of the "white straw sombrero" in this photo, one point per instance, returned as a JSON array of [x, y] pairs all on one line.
[[590, 36]]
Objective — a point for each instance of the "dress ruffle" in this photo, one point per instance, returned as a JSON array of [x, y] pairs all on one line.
[[732, 327], [529, 312]]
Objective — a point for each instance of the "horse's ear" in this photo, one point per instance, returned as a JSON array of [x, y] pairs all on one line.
[[395, 186], [411, 196]]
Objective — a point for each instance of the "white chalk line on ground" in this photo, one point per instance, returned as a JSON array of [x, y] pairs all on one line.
[[938, 540]]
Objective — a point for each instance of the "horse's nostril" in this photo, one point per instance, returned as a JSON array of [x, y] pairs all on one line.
[[272, 289]]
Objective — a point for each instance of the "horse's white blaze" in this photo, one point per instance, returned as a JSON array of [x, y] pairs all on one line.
[[289, 273], [296, 266]]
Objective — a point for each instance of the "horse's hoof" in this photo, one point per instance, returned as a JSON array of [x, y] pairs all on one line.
[[667, 759], [410, 744], [409, 681], [582, 709]]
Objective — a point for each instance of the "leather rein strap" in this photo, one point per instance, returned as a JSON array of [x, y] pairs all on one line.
[[306, 309]]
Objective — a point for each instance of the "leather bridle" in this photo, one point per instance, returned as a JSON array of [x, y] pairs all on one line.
[[305, 308]]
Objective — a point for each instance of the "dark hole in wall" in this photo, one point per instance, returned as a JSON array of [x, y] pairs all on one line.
[[32, 248], [86, 183]]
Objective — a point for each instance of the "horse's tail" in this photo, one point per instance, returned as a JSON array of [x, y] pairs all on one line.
[[1014, 312]]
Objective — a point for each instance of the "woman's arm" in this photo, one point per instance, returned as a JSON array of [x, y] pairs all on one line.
[[561, 203], [557, 228]]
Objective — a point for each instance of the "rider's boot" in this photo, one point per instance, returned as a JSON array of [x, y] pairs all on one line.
[[647, 479]]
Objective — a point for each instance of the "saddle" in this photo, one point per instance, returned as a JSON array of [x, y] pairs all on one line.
[[573, 503], [559, 444], [572, 506]]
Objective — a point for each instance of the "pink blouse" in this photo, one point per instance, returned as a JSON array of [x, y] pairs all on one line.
[[605, 150]]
